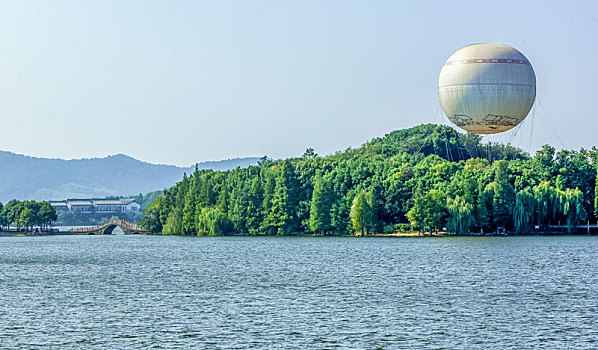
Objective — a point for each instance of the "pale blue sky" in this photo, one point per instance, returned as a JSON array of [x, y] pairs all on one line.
[[179, 82]]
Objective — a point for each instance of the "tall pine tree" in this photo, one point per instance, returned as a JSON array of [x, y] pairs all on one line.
[[254, 211], [282, 218], [321, 204]]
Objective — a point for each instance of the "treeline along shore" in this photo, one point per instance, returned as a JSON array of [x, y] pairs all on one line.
[[428, 178], [25, 215]]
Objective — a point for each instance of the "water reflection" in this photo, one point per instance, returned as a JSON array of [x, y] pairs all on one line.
[[117, 231]]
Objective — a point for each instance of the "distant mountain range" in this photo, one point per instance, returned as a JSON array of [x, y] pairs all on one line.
[[23, 177]]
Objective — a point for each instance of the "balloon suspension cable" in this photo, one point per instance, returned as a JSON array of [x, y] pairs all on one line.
[[531, 133], [428, 132], [448, 151], [514, 133], [466, 148], [549, 124], [464, 144], [439, 116], [511, 138]]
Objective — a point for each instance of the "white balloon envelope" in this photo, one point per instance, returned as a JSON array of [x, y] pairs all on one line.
[[487, 88]]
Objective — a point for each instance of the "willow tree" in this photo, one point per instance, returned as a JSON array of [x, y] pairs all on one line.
[[545, 197], [523, 213], [174, 223], [361, 213], [212, 221], [571, 202], [460, 215]]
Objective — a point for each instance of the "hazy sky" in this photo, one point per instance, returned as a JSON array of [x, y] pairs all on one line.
[[179, 82]]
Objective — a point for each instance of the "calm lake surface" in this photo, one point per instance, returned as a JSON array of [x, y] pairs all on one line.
[[77, 292]]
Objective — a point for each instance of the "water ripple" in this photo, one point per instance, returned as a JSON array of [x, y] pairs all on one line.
[[139, 292]]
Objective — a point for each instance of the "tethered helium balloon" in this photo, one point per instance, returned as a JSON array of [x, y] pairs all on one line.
[[487, 88]]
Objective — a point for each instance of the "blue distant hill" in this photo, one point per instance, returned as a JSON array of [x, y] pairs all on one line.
[[23, 177]]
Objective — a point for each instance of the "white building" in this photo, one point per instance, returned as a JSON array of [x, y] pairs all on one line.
[[97, 205]]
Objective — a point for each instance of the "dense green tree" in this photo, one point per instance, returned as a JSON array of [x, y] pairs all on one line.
[[11, 211], [484, 217], [47, 214], [430, 176], [269, 186], [282, 218], [504, 195], [27, 214], [254, 209], [17, 214], [239, 205], [223, 201], [309, 153], [321, 205], [543, 164], [189, 212], [429, 211], [377, 202], [152, 221], [2, 218], [576, 171], [396, 194], [340, 215]]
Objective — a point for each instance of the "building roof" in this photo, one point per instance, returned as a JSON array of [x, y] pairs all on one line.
[[80, 202], [93, 201], [108, 202]]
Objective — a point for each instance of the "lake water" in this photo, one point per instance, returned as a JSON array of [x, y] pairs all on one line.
[[128, 292]]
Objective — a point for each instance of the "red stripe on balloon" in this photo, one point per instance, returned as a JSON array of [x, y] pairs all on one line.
[[487, 60]]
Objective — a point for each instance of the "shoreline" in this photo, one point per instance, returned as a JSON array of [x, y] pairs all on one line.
[[373, 235]]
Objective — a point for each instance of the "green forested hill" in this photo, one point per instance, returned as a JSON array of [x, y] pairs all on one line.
[[423, 178]]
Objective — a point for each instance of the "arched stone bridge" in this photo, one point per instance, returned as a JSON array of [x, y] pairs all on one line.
[[106, 229]]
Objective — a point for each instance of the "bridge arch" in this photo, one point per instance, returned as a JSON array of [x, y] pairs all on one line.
[[114, 230], [109, 227]]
